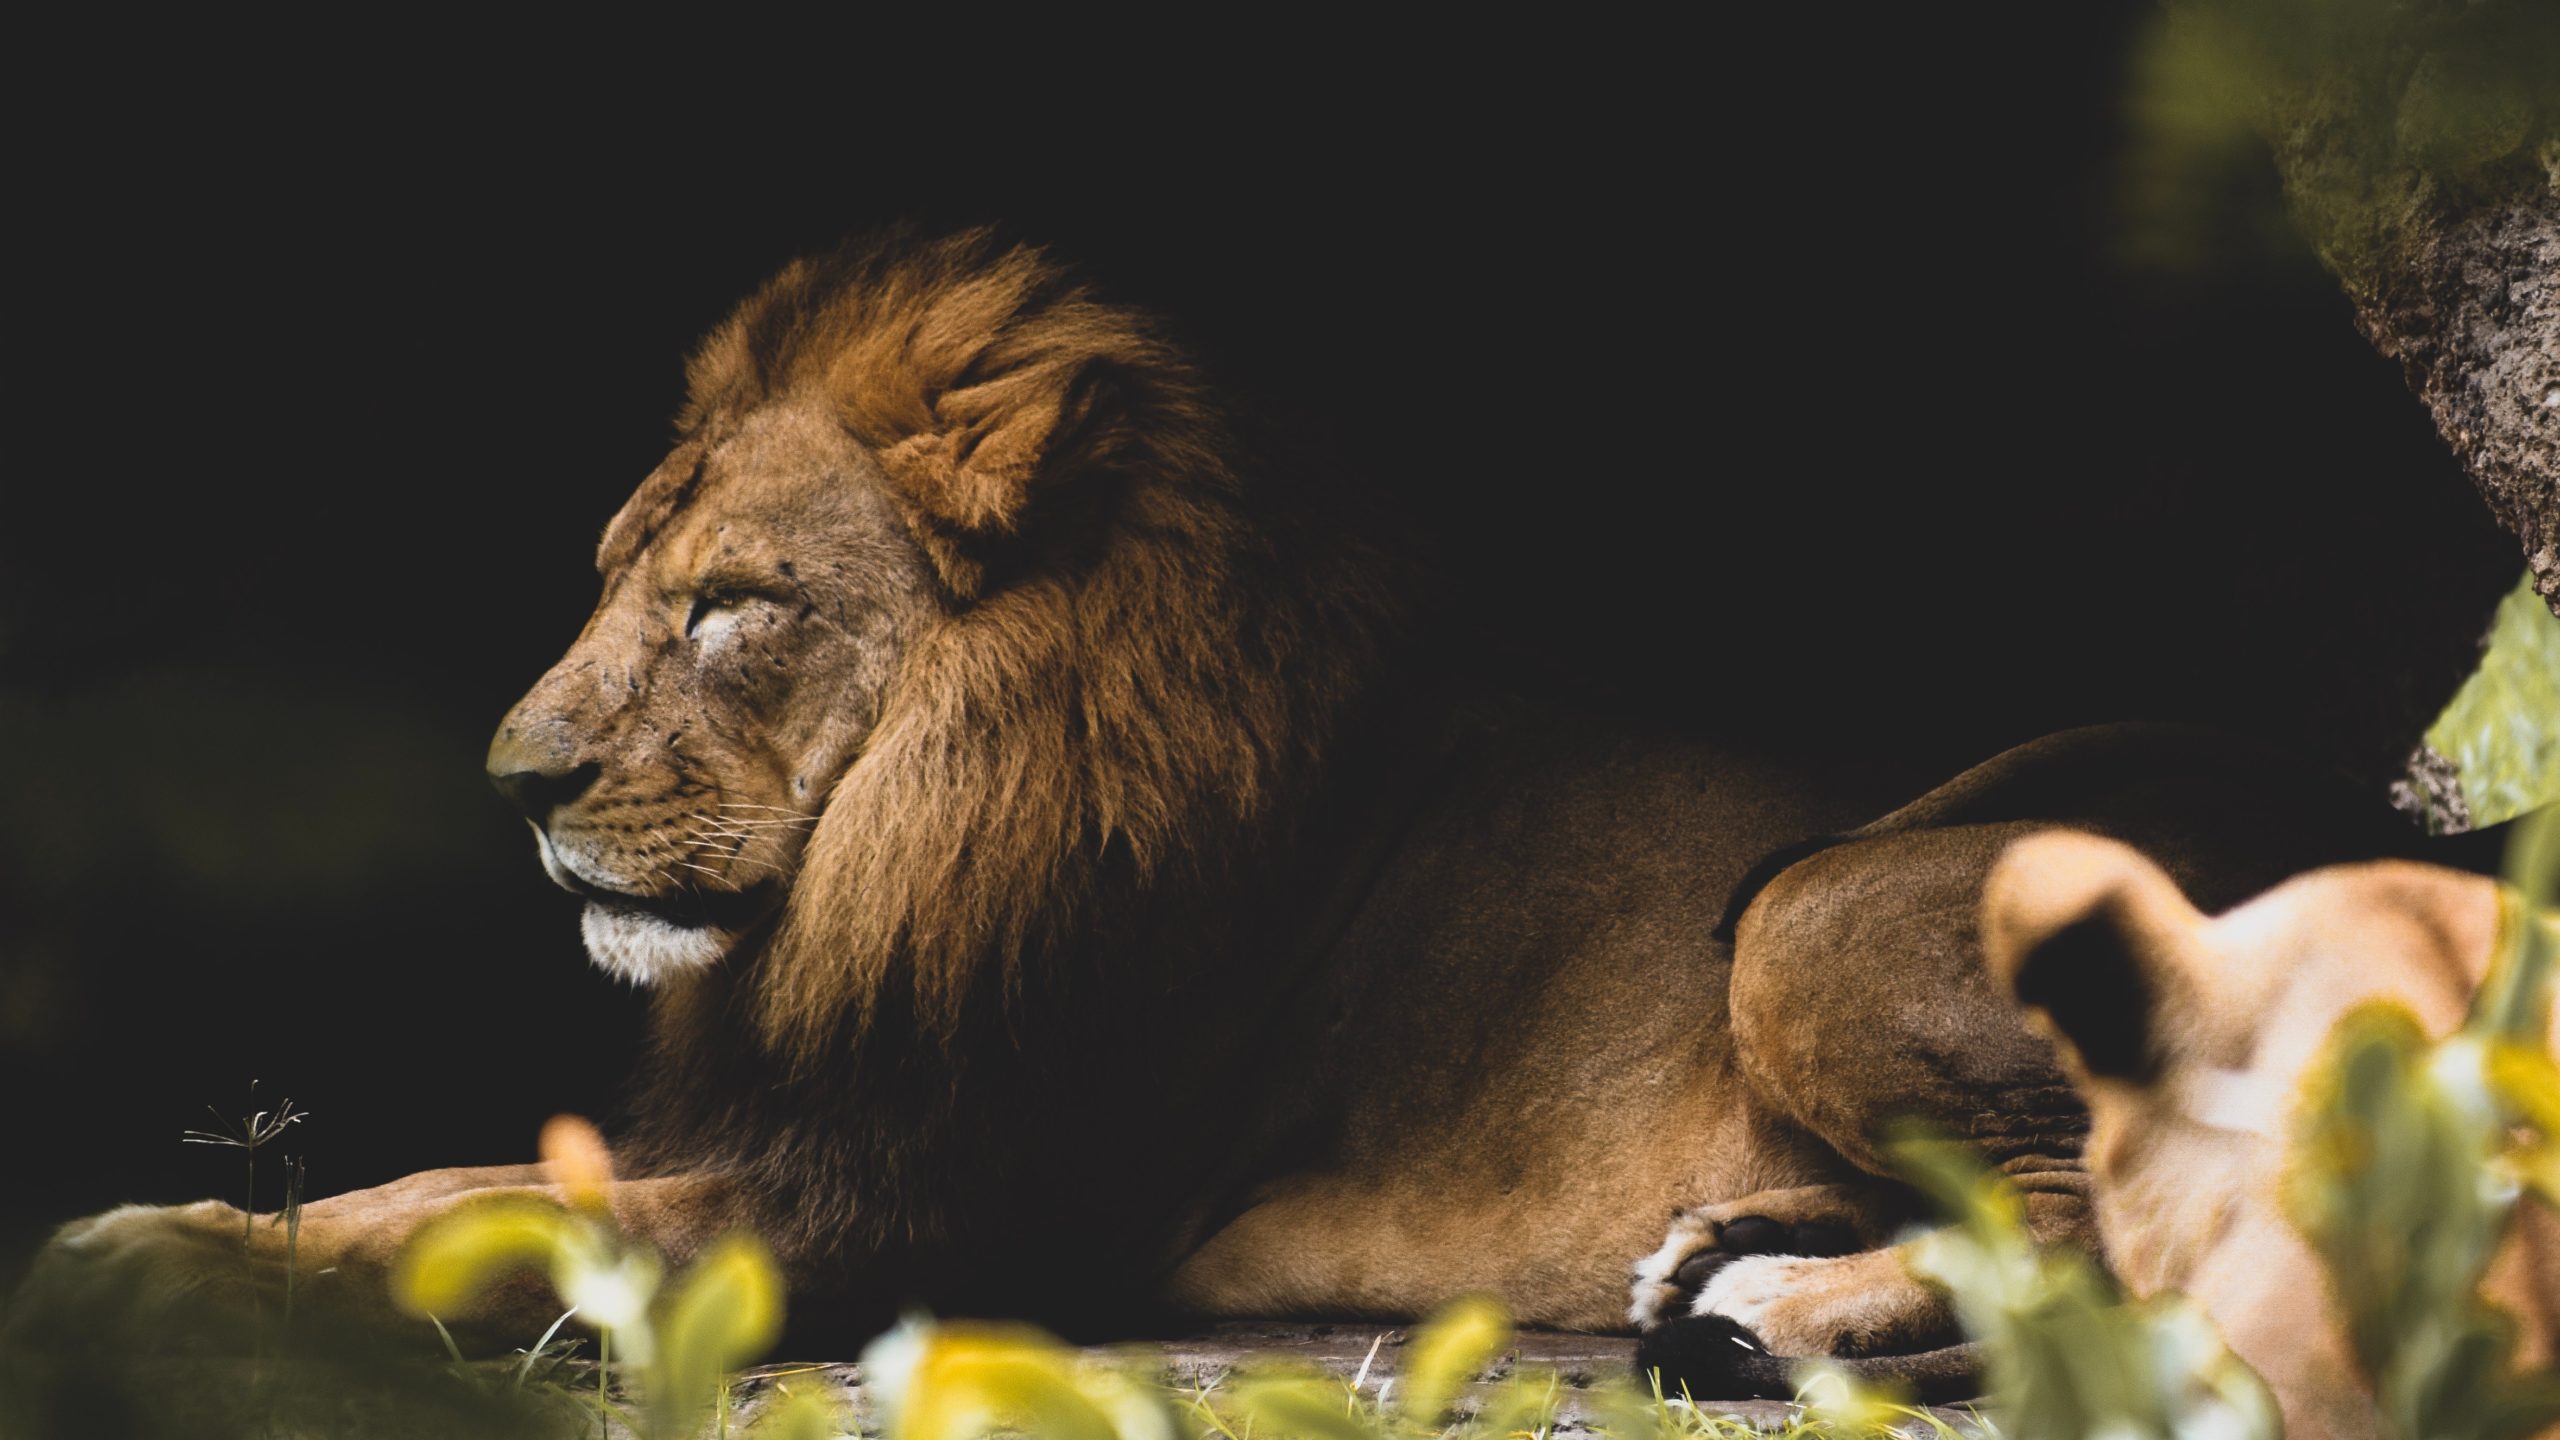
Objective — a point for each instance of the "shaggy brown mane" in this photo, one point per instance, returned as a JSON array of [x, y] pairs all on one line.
[[1138, 674]]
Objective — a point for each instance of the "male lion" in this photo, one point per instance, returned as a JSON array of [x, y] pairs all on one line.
[[1064, 893]]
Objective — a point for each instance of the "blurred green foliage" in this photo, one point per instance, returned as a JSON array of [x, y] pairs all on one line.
[[2408, 1165], [2067, 1353], [2412, 1159], [2396, 1184], [682, 1339], [2502, 730], [2384, 107], [2193, 190], [934, 1381], [949, 1382]]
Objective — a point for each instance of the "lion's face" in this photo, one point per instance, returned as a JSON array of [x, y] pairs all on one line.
[[949, 622], [758, 593]]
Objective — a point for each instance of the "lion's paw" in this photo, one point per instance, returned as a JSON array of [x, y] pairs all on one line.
[[1820, 1220], [1862, 1304], [131, 1268]]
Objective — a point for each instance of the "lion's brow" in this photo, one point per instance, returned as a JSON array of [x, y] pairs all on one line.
[[659, 497]]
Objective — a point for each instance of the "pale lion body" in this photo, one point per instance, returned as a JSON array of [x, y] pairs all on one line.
[[2194, 1088]]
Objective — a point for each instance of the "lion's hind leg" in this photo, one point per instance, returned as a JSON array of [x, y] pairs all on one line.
[[1859, 1002]]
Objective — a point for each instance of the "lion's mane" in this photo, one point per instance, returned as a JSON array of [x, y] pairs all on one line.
[[1145, 662]]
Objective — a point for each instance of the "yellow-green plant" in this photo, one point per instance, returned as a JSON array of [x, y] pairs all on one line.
[[1445, 1355], [2066, 1353], [931, 1381], [2502, 728], [2411, 1159], [805, 1415], [683, 1338], [959, 1381]]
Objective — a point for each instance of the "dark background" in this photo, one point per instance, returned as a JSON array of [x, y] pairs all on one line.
[[1845, 384]]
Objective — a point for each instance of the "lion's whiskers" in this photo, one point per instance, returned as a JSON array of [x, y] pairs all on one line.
[[776, 809], [709, 834], [735, 826], [734, 859]]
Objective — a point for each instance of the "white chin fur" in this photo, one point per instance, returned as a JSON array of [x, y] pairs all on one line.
[[644, 949]]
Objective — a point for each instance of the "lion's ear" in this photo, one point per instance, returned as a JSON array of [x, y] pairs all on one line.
[[995, 448], [2101, 948], [989, 443]]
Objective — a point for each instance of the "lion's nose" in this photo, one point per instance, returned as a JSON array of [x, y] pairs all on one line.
[[536, 778], [537, 794]]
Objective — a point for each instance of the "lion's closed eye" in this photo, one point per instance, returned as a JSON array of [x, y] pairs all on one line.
[[714, 613]]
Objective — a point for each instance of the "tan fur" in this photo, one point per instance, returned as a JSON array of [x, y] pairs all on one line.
[[2188, 1140]]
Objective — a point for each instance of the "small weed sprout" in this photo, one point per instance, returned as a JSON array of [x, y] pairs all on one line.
[[249, 1136], [291, 1218]]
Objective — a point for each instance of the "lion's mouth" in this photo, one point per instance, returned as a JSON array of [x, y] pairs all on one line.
[[648, 938], [732, 910], [690, 907]]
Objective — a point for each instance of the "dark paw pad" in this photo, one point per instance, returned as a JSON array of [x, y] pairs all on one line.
[[1821, 1237], [1698, 1269], [1760, 1235], [1753, 1235], [1713, 1358]]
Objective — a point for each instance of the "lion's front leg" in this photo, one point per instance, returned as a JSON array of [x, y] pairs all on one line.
[[108, 1278], [200, 1270]]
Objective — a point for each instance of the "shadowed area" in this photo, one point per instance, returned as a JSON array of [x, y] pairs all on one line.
[[1900, 454]]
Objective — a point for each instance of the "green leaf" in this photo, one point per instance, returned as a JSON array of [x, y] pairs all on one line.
[[805, 1416], [2067, 1355], [2502, 728], [725, 1312], [1453, 1347], [972, 1390], [460, 1254], [2514, 1001], [1299, 1408], [2528, 1080]]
